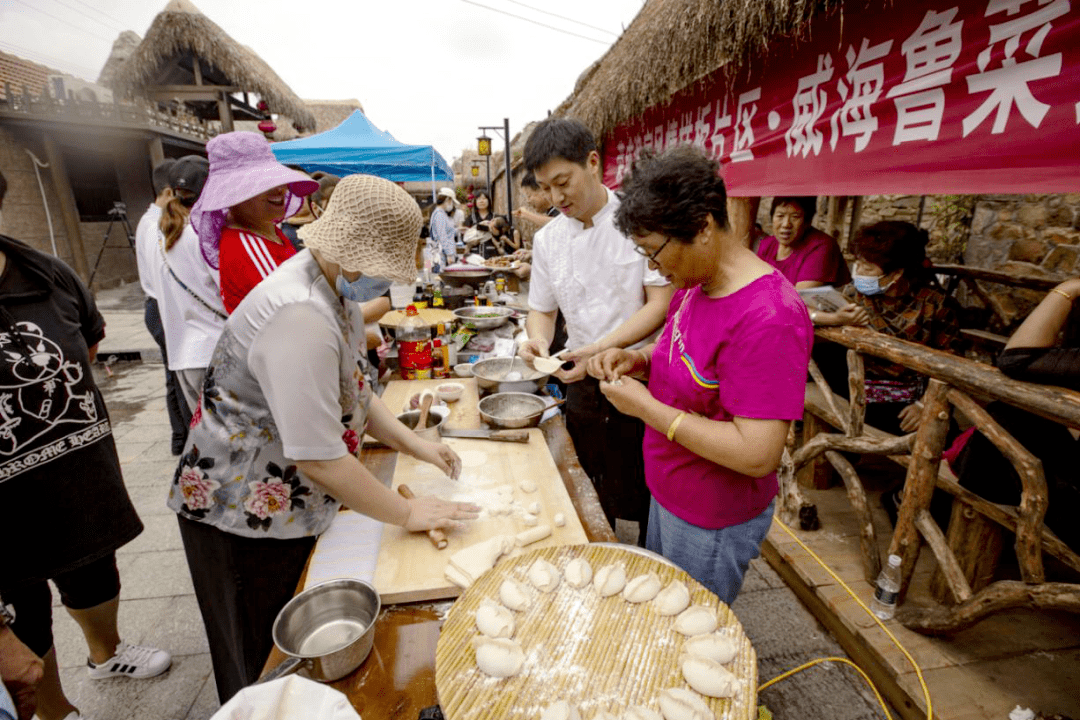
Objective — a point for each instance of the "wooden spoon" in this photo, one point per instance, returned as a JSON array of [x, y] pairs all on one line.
[[425, 408]]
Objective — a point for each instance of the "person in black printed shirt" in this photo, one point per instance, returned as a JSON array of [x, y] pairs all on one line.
[[60, 474]]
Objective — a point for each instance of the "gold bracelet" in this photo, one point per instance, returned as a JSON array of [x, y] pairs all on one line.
[[1063, 294], [674, 426]]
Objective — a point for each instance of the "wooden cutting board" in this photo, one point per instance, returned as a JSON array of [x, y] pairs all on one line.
[[463, 413], [409, 568]]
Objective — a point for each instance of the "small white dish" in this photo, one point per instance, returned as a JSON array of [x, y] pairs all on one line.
[[463, 370], [450, 392]]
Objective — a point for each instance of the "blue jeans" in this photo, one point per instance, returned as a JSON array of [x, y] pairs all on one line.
[[717, 559]]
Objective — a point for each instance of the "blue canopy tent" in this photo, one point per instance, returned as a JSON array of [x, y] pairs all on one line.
[[357, 146]]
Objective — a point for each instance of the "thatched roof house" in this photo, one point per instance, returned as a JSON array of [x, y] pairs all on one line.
[[672, 44], [184, 49]]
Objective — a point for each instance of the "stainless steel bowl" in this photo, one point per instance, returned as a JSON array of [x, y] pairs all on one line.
[[328, 630], [490, 376], [512, 410], [436, 419], [484, 317]]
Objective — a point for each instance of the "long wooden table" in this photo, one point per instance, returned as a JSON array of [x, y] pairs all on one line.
[[397, 680]]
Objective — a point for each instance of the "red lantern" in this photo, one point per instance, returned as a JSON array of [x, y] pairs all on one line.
[[263, 106], [267, 127]]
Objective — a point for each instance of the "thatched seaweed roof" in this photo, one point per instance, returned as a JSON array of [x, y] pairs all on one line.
[[181, 30], [672, 44]]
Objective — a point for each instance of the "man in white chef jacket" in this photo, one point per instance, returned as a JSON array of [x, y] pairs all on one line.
[[609, 297]]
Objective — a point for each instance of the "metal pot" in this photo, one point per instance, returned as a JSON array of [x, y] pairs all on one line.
[[437, 417], [473, 316], [512, 410], [327, 630], [489, 376], [461, 278]]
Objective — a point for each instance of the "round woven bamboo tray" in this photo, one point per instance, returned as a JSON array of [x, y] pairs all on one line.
[[595, 653]]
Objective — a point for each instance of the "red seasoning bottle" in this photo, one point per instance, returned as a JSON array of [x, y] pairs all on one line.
[[414, 346]]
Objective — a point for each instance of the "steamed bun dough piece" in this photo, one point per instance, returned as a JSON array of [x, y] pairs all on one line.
[[544, 576], [560, 710], [673, 599], [714, 646], [578, 573], [696, 620], [610, 579], [514, 595], [641, 589], [527, 486], [640, 712], [683, 704], [468, 564], [708, 677], [494, 620], [498, 657]]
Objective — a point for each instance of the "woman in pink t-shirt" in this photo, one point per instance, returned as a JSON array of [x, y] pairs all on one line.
[[725, 378], [804, 255]]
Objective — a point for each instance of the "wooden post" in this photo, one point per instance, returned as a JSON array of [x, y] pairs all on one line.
[[921, 477], [857, 393], [741, 217], [871, 557], [225, 112], [975, 543], [817, 473], [955, 582], [69, 212], [856, 218]]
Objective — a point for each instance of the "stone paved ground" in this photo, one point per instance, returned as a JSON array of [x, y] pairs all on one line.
[[158, 607]]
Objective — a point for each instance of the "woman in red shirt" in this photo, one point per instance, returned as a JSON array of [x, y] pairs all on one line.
[[247, 193]]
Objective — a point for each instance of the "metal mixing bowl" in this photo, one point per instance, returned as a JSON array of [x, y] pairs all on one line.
[[437, 416], [490, 376], [512, 410], [472, 315], [461, 278]]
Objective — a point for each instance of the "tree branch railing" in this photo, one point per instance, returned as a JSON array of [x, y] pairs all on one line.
[[952, 381]]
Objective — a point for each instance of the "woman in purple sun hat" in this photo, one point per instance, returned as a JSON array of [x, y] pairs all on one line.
[[247, 193]]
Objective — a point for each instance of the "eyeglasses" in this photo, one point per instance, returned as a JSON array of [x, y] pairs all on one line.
[[651, 257]]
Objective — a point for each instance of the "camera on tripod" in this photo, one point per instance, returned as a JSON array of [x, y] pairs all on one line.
[[118, 208]]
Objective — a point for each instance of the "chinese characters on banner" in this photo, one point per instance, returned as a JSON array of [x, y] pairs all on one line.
[[970, 96]]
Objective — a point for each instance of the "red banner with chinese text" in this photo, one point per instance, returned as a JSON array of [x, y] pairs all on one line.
[[915, 98]]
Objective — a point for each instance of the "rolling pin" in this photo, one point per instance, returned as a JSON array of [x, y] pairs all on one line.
[[437, 537]]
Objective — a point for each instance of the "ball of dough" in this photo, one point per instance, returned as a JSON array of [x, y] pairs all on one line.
[[560, 710], [714, 646], [534, 508], [498, 657], [673, 599], [560, 519], [696, 620], [683, 704], [528, 486], [609, 580], [639, 712], [641, 589], [495, 621], [530, 520], [708, 677], [514, 595], [544, 576], [578, 573]]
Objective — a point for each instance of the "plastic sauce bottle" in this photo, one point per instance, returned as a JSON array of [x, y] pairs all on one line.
[[888, 589], [414, 346], [439, 370]]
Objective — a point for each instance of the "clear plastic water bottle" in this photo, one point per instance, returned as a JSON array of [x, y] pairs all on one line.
[[888, 589]]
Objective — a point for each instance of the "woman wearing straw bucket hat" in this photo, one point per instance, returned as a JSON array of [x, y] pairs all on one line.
[[247, 193], [272, 451]]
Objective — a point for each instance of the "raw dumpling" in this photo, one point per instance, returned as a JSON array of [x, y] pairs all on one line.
[[495, 621], [673, 599], [641, 589], [696, 620], [637, 712], [683, 704], [713, 646], [514, 595], [609, 580], [544, 576], [578, 573], [708, 677], [498, 657], [560, 710]]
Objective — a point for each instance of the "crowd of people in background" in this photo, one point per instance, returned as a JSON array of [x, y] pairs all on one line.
[[686, 342]]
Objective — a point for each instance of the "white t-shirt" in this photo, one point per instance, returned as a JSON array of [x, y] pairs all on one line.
[[592, 274], [146, 256], [192, 329]]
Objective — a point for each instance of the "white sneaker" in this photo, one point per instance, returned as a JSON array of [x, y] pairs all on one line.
[[132, 661]]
